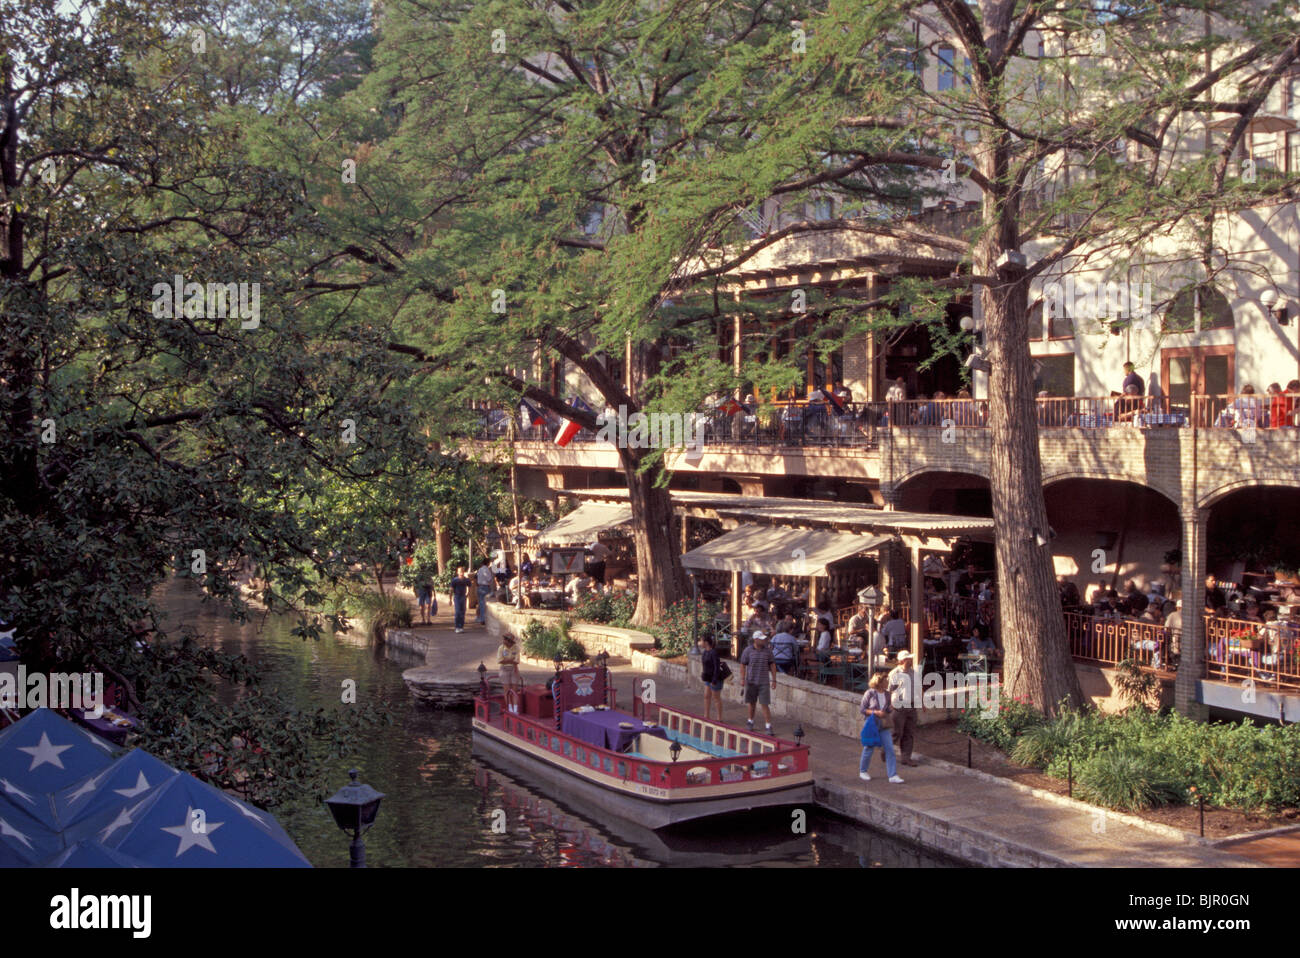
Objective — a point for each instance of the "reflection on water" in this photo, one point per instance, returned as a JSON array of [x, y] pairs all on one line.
[[445, 807]]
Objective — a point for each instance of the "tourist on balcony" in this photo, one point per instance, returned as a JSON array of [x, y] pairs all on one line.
[[1130, 404], [964, 410], [895, 396], [1292, 407], [1215, 599], [1070, 601], [1131, 378], [1277, 406], [930, 412], [967, 584], [1247, 408]]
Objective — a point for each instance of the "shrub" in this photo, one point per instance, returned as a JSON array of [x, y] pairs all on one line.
[[674, 631], [613, 608], [423, 566], [1137, 686], [1038, 746], [383, 612], [1127, 780], [544, 641], [1001, 727]]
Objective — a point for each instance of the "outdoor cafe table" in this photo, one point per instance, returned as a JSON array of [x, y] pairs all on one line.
[[601, 728]]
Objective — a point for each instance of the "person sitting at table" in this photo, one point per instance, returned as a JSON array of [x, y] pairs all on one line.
[[895, 632], [980, 644], [967, 583], [759, 621], [1291, 408], [785, 651], [964, 410], [577, 587], [859, 626], [1275, 410], [934, 570], [1070, 601], [825, 639]]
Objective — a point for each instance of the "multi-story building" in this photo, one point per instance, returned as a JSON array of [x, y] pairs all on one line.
[[1198, 476]]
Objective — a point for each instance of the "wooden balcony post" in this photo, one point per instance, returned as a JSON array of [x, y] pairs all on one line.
[[1191, 662]]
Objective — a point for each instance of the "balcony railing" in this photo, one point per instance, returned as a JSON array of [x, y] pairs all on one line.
[[1110, 641], [1265, 653], [859, 425]]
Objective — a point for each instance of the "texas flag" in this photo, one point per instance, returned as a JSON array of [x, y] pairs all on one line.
[[570, 428], [730, 407], [530, 415]]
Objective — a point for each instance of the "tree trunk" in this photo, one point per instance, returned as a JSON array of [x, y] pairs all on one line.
[[660, 580], [1037, 664]]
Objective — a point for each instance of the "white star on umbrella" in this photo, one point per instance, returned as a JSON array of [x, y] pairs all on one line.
[[188, 836], [141, 785], [89, 786], [7, 829], [249, 813], [15, 790], [44, 753], [123, 819]]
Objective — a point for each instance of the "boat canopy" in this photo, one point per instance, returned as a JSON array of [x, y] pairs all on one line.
[[585, 523], [772, 550]]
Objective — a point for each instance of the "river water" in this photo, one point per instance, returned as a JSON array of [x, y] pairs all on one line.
[[446, 807]]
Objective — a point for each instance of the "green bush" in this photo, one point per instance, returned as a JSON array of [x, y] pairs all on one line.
[[613, 608], [1128, 780], [1240, 765], [545, 641], [674, 631], [1001, 726], [383, 612]]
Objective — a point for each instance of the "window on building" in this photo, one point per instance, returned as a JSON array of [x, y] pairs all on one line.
[[1060, 325], [947, 67], [1035, 321], [821, 208], [1198, 306], [1056, 374]]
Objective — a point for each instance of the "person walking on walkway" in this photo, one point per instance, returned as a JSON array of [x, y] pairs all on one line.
[[459, 596], [758, 675], [713, 674], [875, 703], [424, 593], [902, 688], [486, 586]]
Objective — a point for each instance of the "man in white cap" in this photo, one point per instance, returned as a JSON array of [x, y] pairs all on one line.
[[902, 687], [757, 676]]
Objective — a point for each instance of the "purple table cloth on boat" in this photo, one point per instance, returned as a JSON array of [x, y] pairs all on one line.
[[601, 728]]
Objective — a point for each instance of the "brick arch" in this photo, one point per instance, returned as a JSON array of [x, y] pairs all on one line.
[[1219, 493], [934, 469], [1051, 479]]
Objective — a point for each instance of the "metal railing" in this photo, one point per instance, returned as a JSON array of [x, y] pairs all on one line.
[[1266, 653], [860, 425], [1110, 641]]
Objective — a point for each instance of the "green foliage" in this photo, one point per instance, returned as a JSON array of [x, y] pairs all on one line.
[[1127, 780], [612, 608], [1003, 725], [382, 612], [1137, 686], [1164, 756], [423, 566], [674, 631], [542, 641]]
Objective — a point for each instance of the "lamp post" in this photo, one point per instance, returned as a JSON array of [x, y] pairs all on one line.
[[354, 807], [695, 612]]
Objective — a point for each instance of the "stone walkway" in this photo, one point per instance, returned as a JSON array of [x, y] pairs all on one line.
[[941, 806]]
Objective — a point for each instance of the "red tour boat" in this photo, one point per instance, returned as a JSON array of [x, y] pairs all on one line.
[[657, 765]]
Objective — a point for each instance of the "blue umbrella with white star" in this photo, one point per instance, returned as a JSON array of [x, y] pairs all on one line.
[[189, 824], [44, 752], [24, 841], [91, 854], [93, 801]]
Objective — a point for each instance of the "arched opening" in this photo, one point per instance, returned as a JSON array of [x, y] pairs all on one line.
[[947, 493]]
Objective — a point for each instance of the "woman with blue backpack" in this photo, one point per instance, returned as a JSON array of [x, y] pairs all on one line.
[[877, 711]]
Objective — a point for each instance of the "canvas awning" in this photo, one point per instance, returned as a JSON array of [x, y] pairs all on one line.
[[585, 523], [771, 550]]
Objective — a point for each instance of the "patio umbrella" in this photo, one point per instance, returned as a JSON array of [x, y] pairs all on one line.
[[45, 752], [91, 854], [186, 823], [97, 799]]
